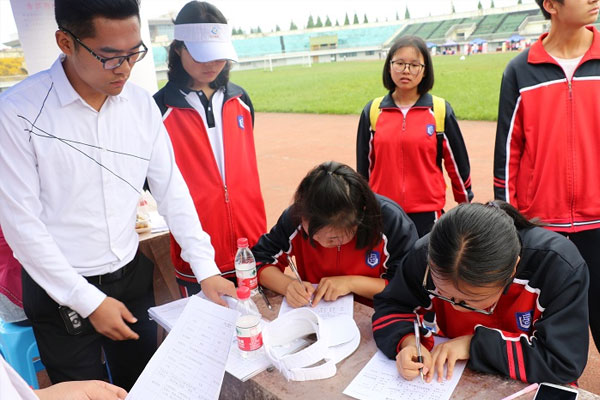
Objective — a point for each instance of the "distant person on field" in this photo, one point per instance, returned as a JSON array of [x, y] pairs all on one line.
[[401, 156], [546, 160], [210, 121], [344, 238]]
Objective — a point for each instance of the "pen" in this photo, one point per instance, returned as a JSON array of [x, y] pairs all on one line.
[[521, 392], [264, 296], [293, 268], [418, 343]]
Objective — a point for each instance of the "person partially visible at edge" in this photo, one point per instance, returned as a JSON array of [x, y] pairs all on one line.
[[510, 296], [77, 143], [401, 156], [344, 237], [210, 121], [13, 387], [546, 160], [11, 292]]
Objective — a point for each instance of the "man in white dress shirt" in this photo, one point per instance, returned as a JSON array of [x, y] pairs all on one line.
[[77, 143]]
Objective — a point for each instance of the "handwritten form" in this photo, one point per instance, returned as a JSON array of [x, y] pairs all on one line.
[[167, 315], [327, 309], [380, 380], [190, 363]]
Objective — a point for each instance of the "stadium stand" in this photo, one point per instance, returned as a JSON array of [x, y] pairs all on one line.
[[442, 28], [489, 24], [512, 21], [346, 38]]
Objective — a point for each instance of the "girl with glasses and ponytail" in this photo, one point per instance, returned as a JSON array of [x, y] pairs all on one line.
[[510, 295], [404, 137]]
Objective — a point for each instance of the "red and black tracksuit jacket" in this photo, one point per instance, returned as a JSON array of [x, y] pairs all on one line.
[[399, 156], [227, 210], [546, 160], [538, 331], [314, 262]]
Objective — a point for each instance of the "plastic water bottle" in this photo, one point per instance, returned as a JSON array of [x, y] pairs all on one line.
[[248, 326], [245, 266]]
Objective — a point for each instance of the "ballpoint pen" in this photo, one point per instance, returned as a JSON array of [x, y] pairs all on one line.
[[293, 268], [264, 296], [418, 344]]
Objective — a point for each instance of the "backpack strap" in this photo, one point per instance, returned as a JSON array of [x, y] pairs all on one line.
[[439, 113], [374, 111]]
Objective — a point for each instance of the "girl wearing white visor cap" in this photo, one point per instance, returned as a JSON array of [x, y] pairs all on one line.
[[210, 121]]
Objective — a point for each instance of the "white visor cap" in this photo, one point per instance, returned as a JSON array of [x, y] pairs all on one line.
[[207, 42], [337, 338]]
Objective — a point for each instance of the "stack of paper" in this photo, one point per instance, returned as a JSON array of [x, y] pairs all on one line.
[[191, 360], [167, 315]]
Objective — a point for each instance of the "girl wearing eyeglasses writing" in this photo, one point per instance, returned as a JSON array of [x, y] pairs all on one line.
[[511, 296], [400, 146]]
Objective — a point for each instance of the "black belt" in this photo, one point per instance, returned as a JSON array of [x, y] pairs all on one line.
[[114, 276]]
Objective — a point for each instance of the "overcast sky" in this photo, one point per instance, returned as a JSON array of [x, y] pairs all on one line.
[[269, 13]]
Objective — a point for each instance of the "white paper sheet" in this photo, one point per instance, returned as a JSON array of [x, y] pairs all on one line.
[[190, 363], [327, 309], [157, 222], [380, 380], [167, 315]]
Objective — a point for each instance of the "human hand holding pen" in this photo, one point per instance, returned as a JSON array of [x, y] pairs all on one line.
[[309, 288], [406, 359], [298, 294]]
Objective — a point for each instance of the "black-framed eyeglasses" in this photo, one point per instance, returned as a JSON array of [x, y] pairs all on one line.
[[462, 304], [413, 68], [112, 62]]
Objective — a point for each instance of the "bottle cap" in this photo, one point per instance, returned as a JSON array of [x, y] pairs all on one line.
[[242, 242], [243, 292]]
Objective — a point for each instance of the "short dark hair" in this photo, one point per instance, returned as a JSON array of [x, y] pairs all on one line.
[[194, 12], [477, 244], [77, 15], [544, 12], [333, 194], [409, 41]]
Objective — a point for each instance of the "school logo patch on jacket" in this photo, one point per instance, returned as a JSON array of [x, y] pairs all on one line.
[[240, 119], [430, 129], [524, 320], [373, 258]]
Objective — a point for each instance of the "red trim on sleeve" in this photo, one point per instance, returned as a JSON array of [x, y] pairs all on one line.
[[380, 326], [520, 361], [511, 360], [399, 346], [398, 316]]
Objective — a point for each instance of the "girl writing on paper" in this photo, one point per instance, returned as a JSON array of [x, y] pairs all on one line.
[[511, 296], [344, 238], [403, 138], [210, 121]]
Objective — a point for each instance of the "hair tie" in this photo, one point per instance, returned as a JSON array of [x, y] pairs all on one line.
[[493, 204], [329, 172]]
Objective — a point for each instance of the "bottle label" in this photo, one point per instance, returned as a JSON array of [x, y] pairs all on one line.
[[251, 283], [249, 343]]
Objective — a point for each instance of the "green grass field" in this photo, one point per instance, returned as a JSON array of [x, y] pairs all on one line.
[[471, 86]]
